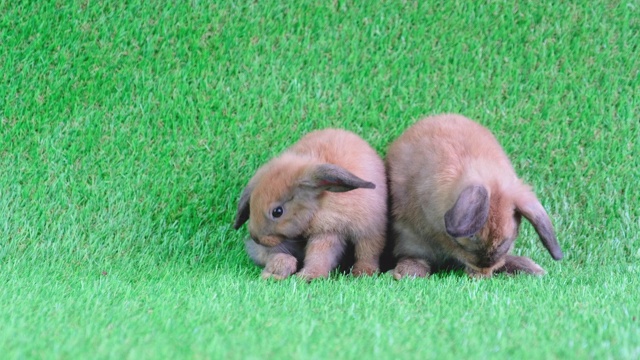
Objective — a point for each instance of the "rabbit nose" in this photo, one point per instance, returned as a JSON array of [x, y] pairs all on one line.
[[486, 261], [255, 239]]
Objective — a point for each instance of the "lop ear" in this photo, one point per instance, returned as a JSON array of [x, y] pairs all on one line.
[[528, 205], [242, 215], [329, 177], [469, 214]]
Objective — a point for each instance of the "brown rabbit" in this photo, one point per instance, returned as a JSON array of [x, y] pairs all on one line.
[[457, 202], [305, 205]]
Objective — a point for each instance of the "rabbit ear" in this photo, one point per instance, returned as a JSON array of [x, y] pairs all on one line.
[[528, 205], [329, 177], [242, 215], [469, 214]]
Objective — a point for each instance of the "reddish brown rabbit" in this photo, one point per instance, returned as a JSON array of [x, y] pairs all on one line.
[[456, 201], [305, 205]]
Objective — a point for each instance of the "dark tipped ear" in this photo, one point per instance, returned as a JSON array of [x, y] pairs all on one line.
[[528, 205], [242, 215], [469, 214], [329, 177]]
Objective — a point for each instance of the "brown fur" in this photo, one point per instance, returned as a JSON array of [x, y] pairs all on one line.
[[332, 187], [429, 167]]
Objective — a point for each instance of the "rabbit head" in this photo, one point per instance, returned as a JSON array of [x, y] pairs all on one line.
[[484, 222], [282, 198]]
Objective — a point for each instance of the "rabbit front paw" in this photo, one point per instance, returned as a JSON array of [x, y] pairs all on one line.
[[520, 264], [280, 266], [309, 274], [362, 268], [411, 267]]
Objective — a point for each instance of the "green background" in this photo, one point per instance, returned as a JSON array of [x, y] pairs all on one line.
[[128, 130]]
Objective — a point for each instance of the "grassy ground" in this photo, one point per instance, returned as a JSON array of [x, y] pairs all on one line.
[[128, 129]]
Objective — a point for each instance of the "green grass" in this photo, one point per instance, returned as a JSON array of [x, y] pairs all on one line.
[[128, 130]]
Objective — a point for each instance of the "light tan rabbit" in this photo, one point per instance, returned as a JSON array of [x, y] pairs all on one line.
[[305, 205], [457, 202]]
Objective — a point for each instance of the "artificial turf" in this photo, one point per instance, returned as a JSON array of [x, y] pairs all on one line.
[[128, 130]]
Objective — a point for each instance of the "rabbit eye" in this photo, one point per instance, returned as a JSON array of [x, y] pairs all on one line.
[[277, 212]]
